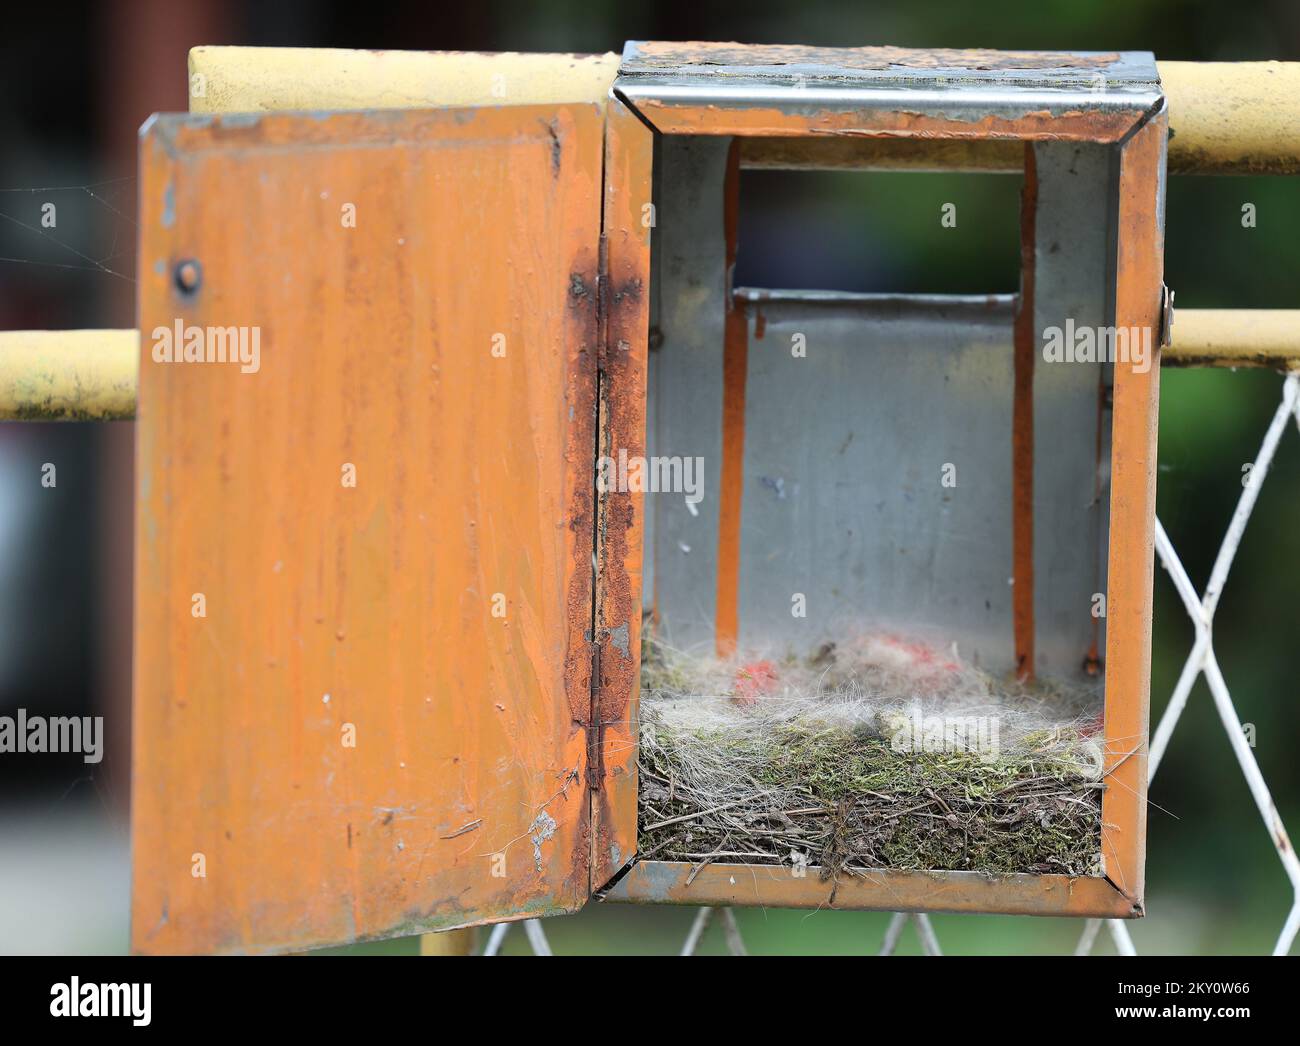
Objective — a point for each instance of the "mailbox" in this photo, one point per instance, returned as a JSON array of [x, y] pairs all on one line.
[[388, 624]]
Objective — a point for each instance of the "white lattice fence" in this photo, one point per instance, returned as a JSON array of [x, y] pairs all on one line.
[[1200, 660]]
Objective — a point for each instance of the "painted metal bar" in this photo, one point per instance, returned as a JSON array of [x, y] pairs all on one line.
[[1233, 117], [1226, 117], [83, 375], [91, 375], [449, 942], [1134, 427], [1022, 428], [1235, 338], [270, 79], [735, 352]]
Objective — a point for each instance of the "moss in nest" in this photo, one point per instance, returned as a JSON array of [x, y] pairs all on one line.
[[878, 754]]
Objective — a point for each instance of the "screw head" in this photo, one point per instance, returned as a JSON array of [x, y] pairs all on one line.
[[189, 275]]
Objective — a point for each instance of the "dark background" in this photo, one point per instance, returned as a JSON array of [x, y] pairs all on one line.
[[78, 80]]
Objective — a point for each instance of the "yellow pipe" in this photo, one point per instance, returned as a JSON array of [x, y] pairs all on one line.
[[83, 375], [1224, 117], [91, 375], [1235, 338], [449, 942], [1233, 117], [264, 79]]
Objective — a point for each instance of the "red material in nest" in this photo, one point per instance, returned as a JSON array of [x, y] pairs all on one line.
[[753, 680]]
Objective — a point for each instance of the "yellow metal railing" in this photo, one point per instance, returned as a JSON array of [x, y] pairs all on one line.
[[87, 375], [90, 375], [1225, 118]]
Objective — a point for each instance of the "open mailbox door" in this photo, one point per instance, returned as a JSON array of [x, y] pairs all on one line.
[[364, 591]]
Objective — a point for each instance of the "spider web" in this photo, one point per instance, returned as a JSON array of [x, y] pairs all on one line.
[[106, 196]]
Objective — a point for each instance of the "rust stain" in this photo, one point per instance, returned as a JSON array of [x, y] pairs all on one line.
[[1022, 431], [378, 595], [1278, 831], [1082, 125], [669, 55], [731, 481], [857, 152], [629, 149]]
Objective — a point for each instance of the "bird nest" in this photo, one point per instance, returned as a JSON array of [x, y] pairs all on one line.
[[874, 752]]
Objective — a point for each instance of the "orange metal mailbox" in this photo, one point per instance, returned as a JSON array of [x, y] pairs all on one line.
[[380, 688]]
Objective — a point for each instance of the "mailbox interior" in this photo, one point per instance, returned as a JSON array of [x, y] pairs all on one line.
[[821, 471]]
